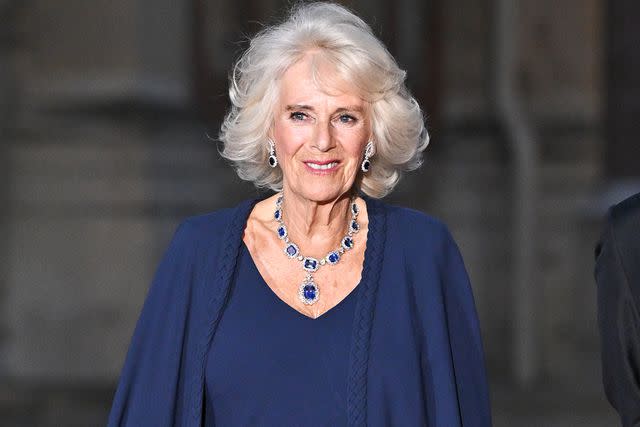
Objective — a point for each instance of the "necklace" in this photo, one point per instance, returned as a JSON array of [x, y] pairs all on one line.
[[308, 291]]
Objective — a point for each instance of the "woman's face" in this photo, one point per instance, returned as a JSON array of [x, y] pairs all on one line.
[[320, 137]]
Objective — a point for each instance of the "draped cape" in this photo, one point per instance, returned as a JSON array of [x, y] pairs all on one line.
[[416, 355]]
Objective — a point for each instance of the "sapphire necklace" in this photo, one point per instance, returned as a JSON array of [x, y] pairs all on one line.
[[309, 292]]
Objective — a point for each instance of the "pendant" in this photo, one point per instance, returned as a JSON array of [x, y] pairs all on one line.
[[308, 292]]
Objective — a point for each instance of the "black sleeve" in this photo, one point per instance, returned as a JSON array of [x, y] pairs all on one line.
[[619, 324]]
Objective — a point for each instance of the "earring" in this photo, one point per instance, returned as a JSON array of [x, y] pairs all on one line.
[[273, 160], [368, 153]]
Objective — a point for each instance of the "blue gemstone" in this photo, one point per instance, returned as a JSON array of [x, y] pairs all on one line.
[[310, 292], [310, 264], [292, 250], [277, 214], [333, 258], [355, 226], [354, 209], [347, 242], [282, 232]]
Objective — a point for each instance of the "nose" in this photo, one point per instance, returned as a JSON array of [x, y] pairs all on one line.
[[323, 136]]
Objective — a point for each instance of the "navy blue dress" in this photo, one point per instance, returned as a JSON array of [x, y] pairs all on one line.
[[262, 345], [415, 354]]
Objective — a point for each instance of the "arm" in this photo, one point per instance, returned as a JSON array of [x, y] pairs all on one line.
[[465, 339], [619, 324], [148, 388]]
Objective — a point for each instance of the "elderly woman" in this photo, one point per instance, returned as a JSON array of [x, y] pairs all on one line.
[[319, 305]]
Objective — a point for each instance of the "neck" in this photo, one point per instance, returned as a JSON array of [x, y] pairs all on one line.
[[313, 225]]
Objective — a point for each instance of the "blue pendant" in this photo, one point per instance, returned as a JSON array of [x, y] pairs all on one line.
[[308, 291]]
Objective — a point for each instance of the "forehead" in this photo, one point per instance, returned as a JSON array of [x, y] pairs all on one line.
[[312, 79]]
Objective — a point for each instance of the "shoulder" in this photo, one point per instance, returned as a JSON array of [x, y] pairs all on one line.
[[413, 225], [622, 226], [620, 242], [617, 253], [424, 240], [625, 213], [208, 221], [211, 227]]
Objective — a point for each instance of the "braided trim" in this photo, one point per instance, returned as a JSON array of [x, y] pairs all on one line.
[[363, 319], [232, 241]]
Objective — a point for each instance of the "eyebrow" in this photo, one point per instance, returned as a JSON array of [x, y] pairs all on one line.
[[297, 107], [293, 107]]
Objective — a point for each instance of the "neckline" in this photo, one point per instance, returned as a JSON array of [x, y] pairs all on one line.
[[352, 294], [355, 290]]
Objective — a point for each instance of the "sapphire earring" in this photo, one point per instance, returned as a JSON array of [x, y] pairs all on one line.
[[273, 160], [368, 153]]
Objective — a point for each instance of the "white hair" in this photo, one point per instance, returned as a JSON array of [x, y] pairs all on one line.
[[347, 43]]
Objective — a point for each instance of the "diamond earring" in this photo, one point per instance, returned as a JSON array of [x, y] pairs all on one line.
[[368, 153], [273, 160]]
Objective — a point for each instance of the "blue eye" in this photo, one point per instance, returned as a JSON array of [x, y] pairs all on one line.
[[297, 115], [345, 118]]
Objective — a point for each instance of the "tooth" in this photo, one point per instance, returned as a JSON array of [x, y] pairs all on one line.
[[322, 167]]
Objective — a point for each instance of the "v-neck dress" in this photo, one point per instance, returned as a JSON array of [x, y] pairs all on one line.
[[270, 365], [214, 345]]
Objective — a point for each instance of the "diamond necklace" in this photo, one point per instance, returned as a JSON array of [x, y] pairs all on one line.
[[308, 291]]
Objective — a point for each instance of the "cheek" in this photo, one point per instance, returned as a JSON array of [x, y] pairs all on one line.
[[354, 145], [356, 151], [289, 139]]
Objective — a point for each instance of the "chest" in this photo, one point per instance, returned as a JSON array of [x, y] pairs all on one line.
[[305, 360], [284, 275]]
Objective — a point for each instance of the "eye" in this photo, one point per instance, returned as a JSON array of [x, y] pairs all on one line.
[[346, 118], [297, 115]]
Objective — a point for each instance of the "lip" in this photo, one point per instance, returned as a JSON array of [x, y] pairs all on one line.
[[326, 171]]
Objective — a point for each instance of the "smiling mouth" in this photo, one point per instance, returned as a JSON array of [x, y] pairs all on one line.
[[321, 166]]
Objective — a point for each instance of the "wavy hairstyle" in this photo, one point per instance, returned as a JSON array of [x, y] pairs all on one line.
[[347, 43]]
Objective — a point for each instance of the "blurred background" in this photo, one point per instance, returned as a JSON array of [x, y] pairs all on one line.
[[109, 111]]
